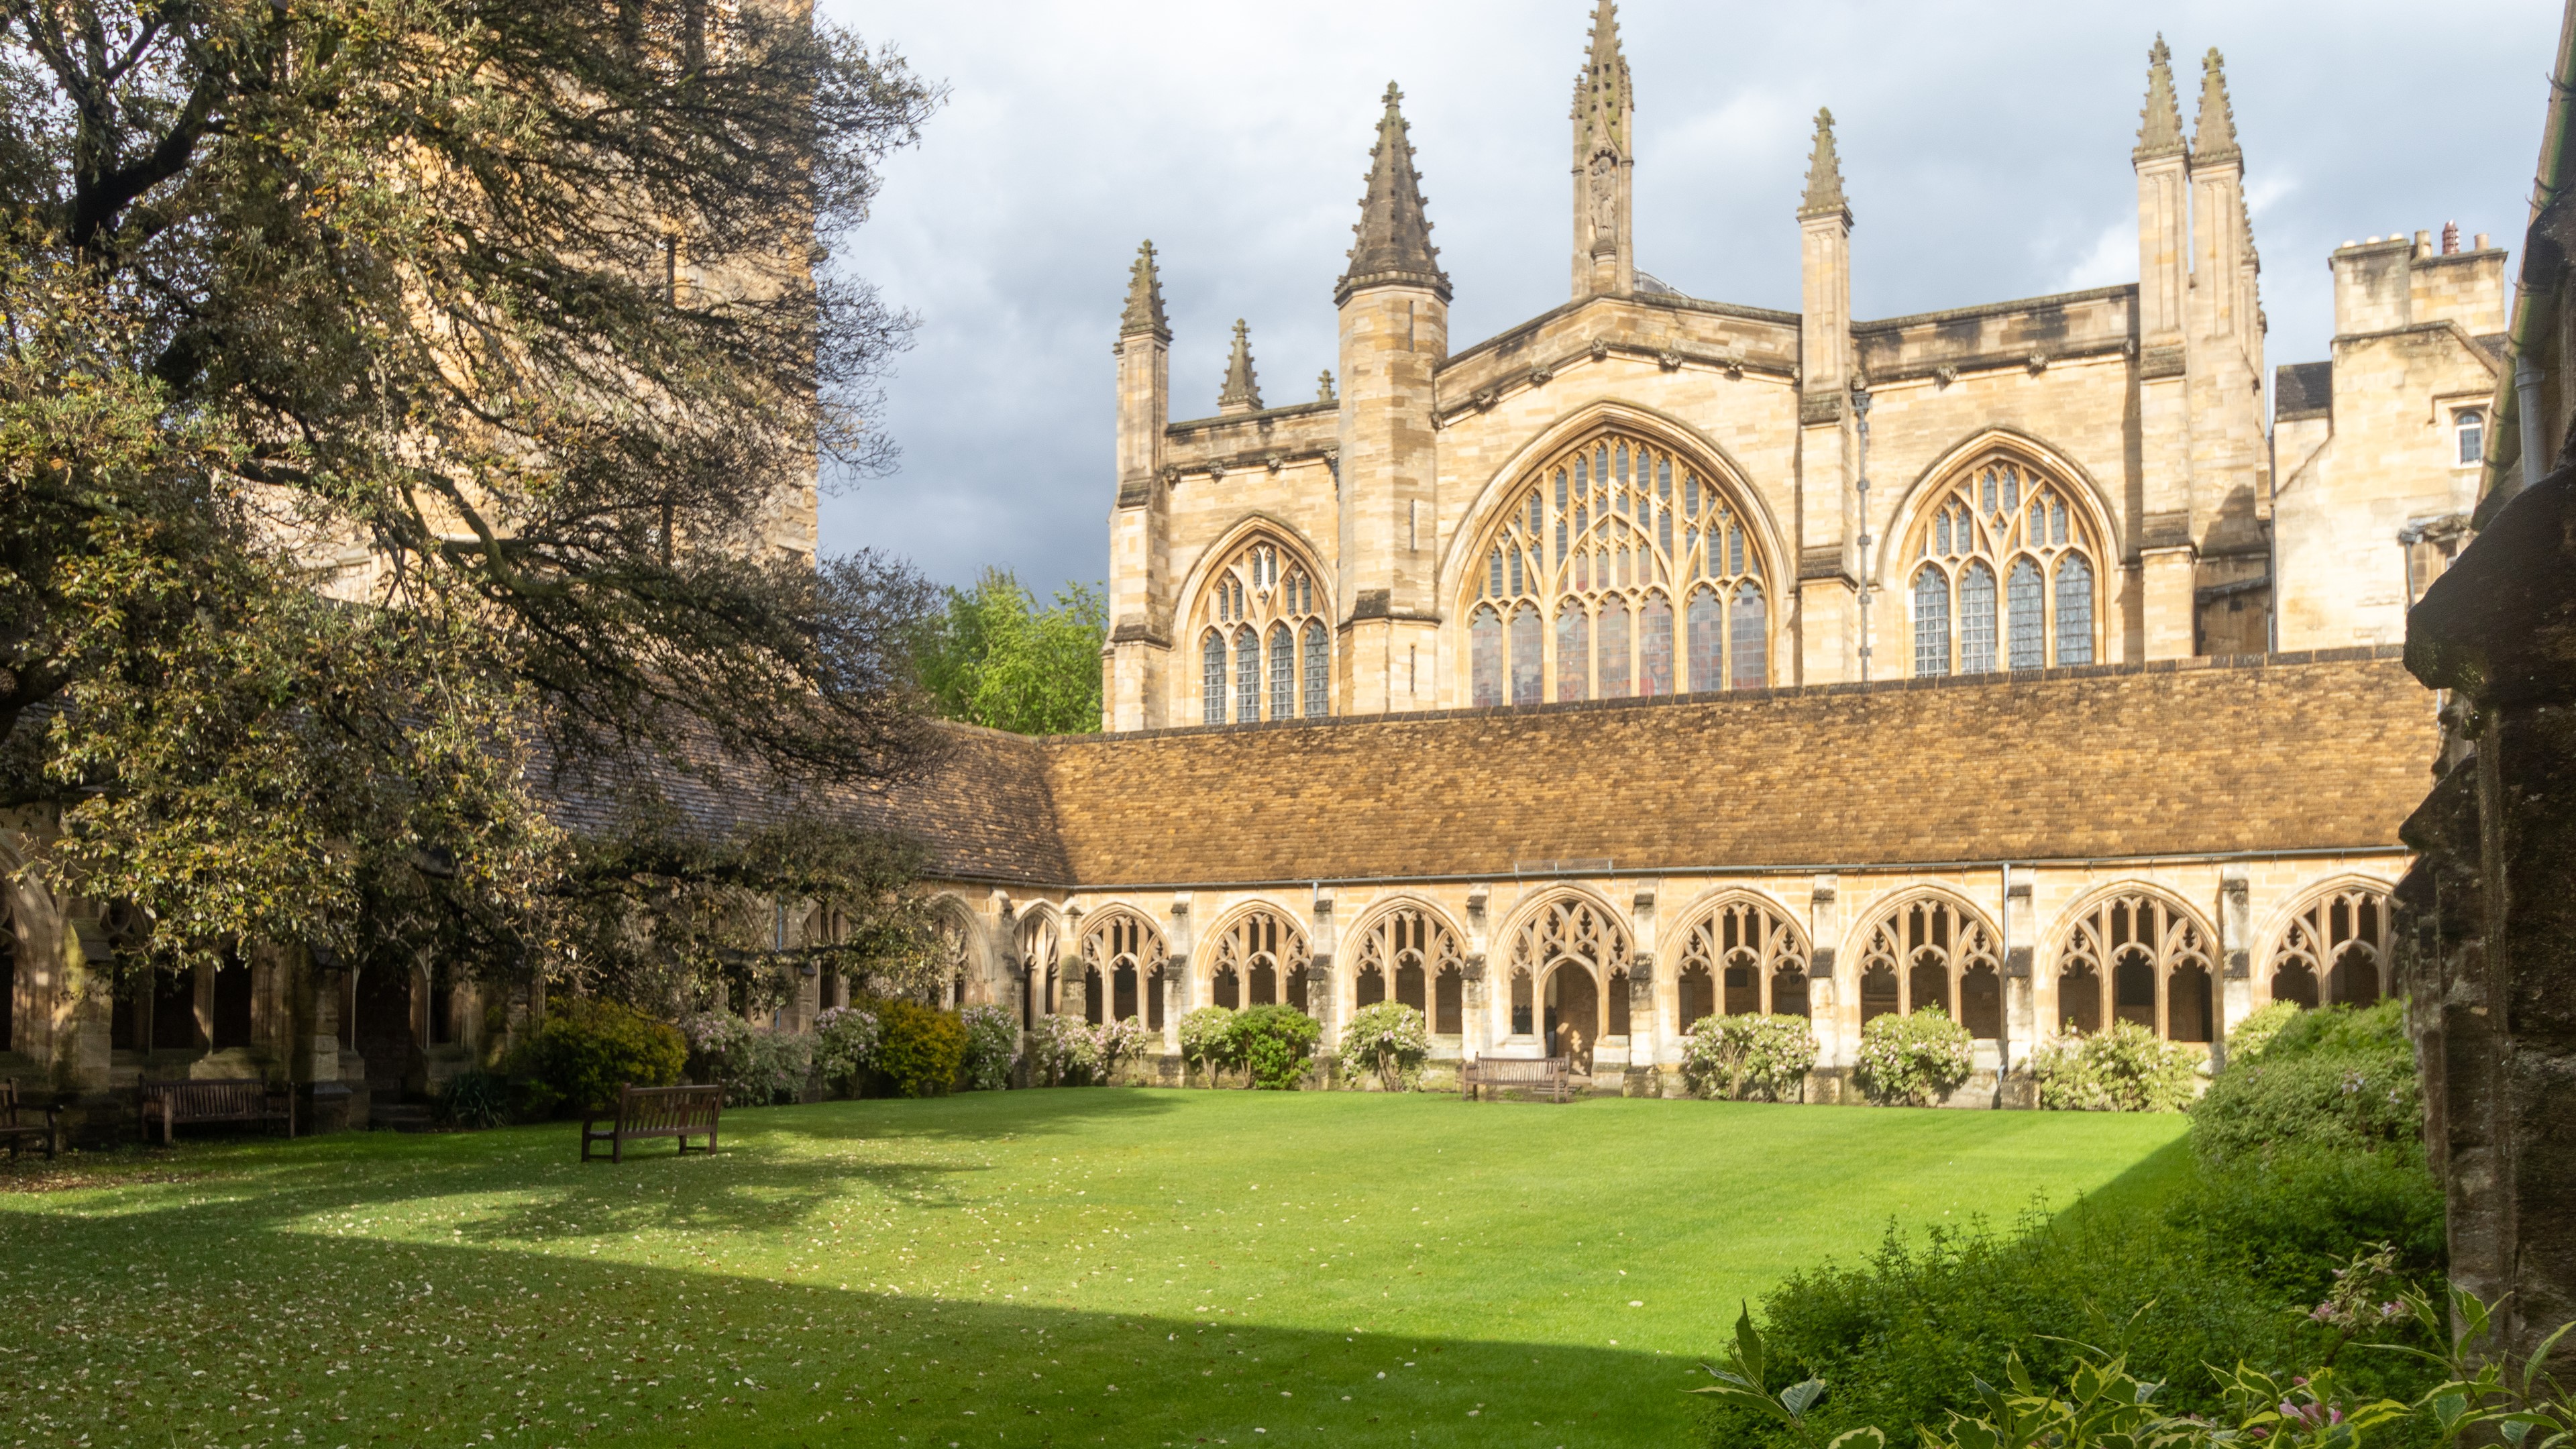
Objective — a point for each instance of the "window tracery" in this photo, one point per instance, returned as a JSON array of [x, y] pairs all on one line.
[[1264, 649], [2335, 950], [1566, 931], [1260, 960], [1040, 942], [2003, 574], [1743, 958], [1122, 958], [1415, 953], [1930, 952], [1619, 572], [2152, 959]]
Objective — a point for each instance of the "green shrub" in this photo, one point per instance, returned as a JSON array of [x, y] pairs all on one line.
[[2334, 1078], [1277, 1044], [2255, 1032], [2125, 1069], [2290, 1218], [1062, 1052], [921, 1049], [587, 1048], [1390, 1039], [1917, 1059], [992, 1040], [1749, 1058], [475, 1099], [755, 1068], [845, 1046], [1207, 1037], [1116, 1043]]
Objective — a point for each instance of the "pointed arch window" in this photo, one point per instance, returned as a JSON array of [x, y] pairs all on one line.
[[1612, 546], [1122, 957], [1413, 953], [1931, 954], [2003, 573], [1263, 954], [2335, 950], [1744, 958], [2137, 957], [1262, 604]]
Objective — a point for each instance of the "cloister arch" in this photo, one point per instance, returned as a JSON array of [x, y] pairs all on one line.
[[2001, 557], [1122, 967], [1622, 562], [1409, 951], [2332, 947], [1928, 948], [2135, 952], [1741, 954], [1258, 956], [1039, 935], [1259, 608], [1568, 951]]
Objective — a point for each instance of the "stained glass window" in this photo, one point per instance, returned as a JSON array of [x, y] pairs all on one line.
[[1213, 682], [1655, 645], [1747, 645], [2024, 606], [1319, 663], [1528, 663], [1485, 659], [1931, 623], [1573, 653], [1976, 619], [2074, 610], [1247, 676], [1706, 645], [1283, 674], [2004, 519], [1265, 590]]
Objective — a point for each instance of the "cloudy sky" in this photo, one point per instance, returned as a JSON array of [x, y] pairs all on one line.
[[1985, 151]]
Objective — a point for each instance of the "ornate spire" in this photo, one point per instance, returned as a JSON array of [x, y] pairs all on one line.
[[1145, 298], [2160, 122], [1324, 387], [1601, 99], [1394, 246], [1242, 392], [2213, 135], [1824, 175]]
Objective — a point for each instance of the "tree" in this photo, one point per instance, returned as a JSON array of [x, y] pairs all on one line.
[[994, 658], [402, 400]]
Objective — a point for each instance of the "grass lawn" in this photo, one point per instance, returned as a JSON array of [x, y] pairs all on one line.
[[1023, 1268]]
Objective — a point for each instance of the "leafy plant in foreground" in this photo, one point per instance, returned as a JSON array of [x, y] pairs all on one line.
[[1388, 1038], [1749, 1058], [2125, 1069], [1277, 1045], [1912, 1060]]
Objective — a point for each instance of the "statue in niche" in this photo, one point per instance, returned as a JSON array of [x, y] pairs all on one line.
[[1605, 198]]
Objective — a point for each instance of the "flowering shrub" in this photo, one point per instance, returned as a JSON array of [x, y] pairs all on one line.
[[1116, 1043], [1389, 1038], [2125, 1069], [1748, 1058], [1207, 1037], [920, 1049], [1062, 1052], [1277, 1044], [755, 1068], [845, 1045], [586, 1049], [992, 1038], [1913, 1060], [2333, 1078]]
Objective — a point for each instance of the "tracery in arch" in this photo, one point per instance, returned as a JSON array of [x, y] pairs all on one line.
[[1040, 944], [1413, 954], [1265, 651], [1618, 570], [1260, 960], [2004, 572], [1571, 950], [2137, 957], [1931, 953], [1743, 958], [2335, 950], [1122, 957]]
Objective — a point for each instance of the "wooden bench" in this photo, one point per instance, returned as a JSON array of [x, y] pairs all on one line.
[[14, 1128], [1553, 1076], [228, 1099], [675, 1112]]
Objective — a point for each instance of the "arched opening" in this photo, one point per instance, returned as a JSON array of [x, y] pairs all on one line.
[[1408, 984], [1228, 992], [2133, 988], [1263, 599], [1122, 992], [1615, 1022], [1981, 1002], [1878, 995], [1925, 944], [1524, 1017], [1408, 945], [1155, 986], [1265, 984], [2295, 982], [1740, 946], [1091, 995], [2187, 1004], [2079, 999], [1743, 985], [1573, 1022], [1449, 1002], [232, 1013], [1269, 953], [2136, 945], [1698, 996], [1927, 983], [1789, 991], [1372, 986]]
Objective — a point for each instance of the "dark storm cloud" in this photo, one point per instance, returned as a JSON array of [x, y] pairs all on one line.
[[1985, 149]]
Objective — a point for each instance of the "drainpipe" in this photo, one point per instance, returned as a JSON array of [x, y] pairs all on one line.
[[2003, 993], [1860, 485], [2526, 385]]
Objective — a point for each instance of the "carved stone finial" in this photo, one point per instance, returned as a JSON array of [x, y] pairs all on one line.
[[1242, 392], [1394, 246], [2160, 120], [1601, 100], [2213, 133], [1324, 387], [1825, 175], [1144, 298]]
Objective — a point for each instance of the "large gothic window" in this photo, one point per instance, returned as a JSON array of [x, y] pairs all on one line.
[[1411, 955], [1619, 572], [1743, 958], [1929, 954], [2002, 574], [2335, 950], [1264, 649], [1261, 960], [1122, 959], [1564, 957], [2140, 958]]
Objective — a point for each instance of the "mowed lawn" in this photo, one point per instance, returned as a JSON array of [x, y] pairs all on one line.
[[1025, 1268]]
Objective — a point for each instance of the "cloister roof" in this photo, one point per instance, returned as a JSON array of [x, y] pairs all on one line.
[[2286, 752]]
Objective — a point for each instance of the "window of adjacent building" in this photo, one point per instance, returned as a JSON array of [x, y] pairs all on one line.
[[2471, 427], [1264, 651], [1621, 571], [2002, 575]]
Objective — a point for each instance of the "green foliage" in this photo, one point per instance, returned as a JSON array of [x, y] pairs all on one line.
[[2125, 1069], [756, 1068], [2247, 1040], [1917, 1059], [2334, 1078], [1207, 1038], [1276, 1045], [992, 1041], [1388, 1038], [995, 658], [921, 1050], [845, 1046], [1063, 1052], [1749, 1058], [587, 1048], [475, 1099]]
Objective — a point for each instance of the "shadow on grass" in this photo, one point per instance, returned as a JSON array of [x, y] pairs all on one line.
[[2144, 1188], [197, 1326]]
